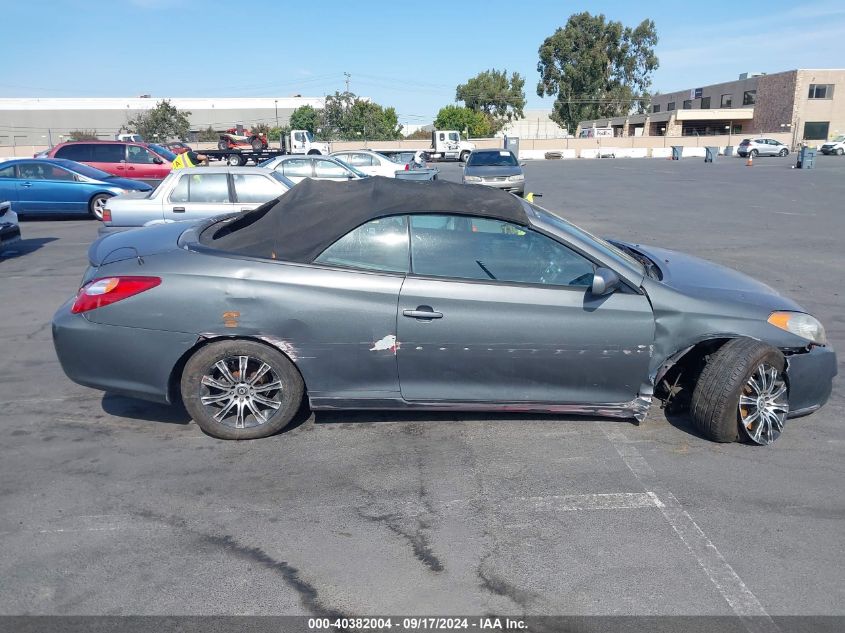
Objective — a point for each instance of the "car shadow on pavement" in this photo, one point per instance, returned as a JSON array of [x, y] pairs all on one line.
[[683, 422], [25, 247], [134, 409]]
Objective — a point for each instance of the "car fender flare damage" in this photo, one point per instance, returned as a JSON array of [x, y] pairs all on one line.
[[204, 338]]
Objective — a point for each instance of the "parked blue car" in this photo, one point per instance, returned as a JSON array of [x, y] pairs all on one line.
[[55, 185]]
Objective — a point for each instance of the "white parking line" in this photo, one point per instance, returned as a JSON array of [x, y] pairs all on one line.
[[738, 596]]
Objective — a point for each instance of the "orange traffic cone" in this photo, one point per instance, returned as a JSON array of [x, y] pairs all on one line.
[[750, 161]]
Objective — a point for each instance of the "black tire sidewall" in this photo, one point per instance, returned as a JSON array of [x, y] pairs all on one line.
[[715, 398], [207, 356]]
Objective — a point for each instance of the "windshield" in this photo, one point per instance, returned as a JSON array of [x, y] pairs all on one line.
[[163, 152], [838, 139], [503, 158], [606, 247], [85, 170], [309, 137]]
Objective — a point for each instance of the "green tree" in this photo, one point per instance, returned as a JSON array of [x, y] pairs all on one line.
[[596, 68], [345, 116], [419, 135], [305, 118], [463, 119], [83, 135], [209, 134], [501, 98], [162, 123]]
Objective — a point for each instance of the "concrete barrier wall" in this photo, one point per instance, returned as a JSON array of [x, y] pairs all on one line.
[[620, 147]]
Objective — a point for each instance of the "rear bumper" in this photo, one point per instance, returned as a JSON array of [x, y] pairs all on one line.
[[810, 377], [9, 234], [129, 361]]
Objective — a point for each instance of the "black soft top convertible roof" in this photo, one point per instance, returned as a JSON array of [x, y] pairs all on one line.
[[302, 223]]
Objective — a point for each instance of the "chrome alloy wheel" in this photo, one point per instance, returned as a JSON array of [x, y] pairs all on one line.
[[763, 405], [99, 207], [241, 391]]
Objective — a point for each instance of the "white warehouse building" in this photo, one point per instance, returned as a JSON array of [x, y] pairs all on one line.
[[46, 121]]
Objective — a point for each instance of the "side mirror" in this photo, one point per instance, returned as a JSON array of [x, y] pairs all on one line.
[[605, 281], [158, 161], [522, 164]]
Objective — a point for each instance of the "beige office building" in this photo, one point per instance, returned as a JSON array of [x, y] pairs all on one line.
[[806, 105]]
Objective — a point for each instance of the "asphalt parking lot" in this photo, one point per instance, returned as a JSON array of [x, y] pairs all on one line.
[[116, 506]]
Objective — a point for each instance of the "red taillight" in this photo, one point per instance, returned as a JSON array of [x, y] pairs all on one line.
[[407, 166], [106, 215], [106, 290]]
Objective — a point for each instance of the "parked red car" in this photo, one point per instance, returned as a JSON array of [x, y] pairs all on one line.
[[139, 161]]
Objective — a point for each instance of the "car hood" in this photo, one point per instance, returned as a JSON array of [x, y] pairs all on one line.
[[488, 171], [701, 278]]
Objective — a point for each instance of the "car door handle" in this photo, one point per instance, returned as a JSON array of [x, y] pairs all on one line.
[[422, 312], [26, 184], [178, 209]]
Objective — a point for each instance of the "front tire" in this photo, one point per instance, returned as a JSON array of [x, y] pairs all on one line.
[[240, 390], [257, 145], [741, 392], [840, 151], [783, 152], [222, 145], [97, 205]]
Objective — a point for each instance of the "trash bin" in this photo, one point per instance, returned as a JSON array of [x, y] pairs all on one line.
[[677, 152], [806, 158], [710, 153], [729, 150]]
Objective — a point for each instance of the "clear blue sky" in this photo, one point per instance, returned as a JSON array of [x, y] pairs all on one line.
[[410, 55]]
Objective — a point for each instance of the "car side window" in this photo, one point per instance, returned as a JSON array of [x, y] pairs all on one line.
[[7, 172], [202, 188], [329, 169], [108, 153], [380, 244], [466, 247], [57, 173], [255, 188], [139, 155], [79, 152], [358, 160], [297, 168], [32, 171]]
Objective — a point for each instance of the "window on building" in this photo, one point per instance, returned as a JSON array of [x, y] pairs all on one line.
[[670, 106], [726, 101], [655, 108], [688, 104], [705, 103], [821, 91], [816, 130], [749, 97]]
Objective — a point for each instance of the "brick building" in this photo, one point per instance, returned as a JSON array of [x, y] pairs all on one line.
[[806, 104]]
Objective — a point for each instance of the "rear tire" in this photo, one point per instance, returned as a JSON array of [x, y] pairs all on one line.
[[222, 145], [754, 153], [464, 157], [97, 205], [257, 145], [234, 160], [259, 404], [715, 399]]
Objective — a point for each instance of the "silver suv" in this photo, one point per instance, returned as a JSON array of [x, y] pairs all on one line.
[[761, 147]]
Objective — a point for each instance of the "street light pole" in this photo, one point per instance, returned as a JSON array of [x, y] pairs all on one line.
[[276, 103]]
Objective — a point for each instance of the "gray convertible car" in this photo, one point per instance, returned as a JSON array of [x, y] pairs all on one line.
[[386, 294]]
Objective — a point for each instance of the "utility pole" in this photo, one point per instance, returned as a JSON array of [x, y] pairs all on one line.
[[347, 75]]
